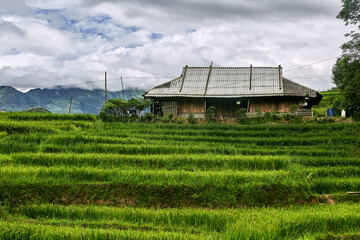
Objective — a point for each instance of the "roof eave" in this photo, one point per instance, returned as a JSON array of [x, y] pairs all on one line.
[[224, 96]]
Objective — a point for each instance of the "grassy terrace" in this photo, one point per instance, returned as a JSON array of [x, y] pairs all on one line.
[[74, 177]]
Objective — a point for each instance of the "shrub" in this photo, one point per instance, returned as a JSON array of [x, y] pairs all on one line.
[[242, 115], [287, 116], [180, 120], [258, 117], [170, 117], [325, 120], [267, 117], [211, 114], [275, 116], [293, 109], [319, 112], [191, 118], [115, 109], [149, 117]]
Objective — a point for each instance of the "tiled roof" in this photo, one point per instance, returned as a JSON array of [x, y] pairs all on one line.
[[228, 82]]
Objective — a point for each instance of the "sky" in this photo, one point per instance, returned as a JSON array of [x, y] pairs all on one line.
[[48, 43]]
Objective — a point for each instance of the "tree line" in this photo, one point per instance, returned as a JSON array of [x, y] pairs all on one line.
[[346, 71]]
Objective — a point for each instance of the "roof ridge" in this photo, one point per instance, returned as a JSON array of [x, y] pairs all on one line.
[[237, 67]]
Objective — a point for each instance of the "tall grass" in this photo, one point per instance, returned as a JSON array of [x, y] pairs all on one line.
[[25, 116], [262, 223], [182, 181]]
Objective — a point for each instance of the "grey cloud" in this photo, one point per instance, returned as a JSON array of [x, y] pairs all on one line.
[[8, 28], [228, 32], [251, 9], [15, 7]]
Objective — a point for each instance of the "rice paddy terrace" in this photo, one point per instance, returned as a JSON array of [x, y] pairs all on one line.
[[74, 177]]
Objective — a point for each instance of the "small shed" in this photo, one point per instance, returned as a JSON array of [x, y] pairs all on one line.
[[257, 89]]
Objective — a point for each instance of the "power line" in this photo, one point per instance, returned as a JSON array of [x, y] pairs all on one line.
[[111, 79], [171, 77], [325, 60], [318, 76]]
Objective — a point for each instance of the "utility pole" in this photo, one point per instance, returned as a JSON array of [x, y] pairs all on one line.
[[105, 88], [122, 85], [70, 105]]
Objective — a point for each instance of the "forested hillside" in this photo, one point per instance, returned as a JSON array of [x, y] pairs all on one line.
[[57, 100]]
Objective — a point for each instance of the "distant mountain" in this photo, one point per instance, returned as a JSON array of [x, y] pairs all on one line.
[[37, 110], [57, 100]]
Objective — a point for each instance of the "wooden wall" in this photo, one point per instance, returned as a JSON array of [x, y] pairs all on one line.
[[272, 104], [191, 105], [228, 107]]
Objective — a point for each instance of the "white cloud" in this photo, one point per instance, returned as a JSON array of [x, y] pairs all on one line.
[[52, 4], [18, 7], [47, 43]]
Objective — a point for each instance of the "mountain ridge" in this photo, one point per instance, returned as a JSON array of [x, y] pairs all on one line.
[[57, 100]]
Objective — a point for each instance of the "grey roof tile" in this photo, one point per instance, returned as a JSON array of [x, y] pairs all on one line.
[[228, 82]]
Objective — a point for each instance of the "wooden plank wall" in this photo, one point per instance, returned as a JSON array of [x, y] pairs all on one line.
[[169, 108], [272, 104], [191, 105], [228, 107]]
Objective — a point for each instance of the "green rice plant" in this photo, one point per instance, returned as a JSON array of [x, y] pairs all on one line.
[[199, 219], [60, 174], [26, 116], [186, 162], [7, 147], [188, 149], [246, 223], [74, 160], [191, 162], [23, 231], [335, 184], [312, 161], [335, 171], [23, 127]]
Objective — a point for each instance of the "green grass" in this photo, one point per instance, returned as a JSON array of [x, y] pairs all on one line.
[[71, 176], [325, 103], [98, 222]]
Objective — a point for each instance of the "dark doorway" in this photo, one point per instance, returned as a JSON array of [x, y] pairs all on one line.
[[227, 107]]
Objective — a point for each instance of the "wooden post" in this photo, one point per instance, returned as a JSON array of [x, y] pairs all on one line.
[[105, 88], [248, 105], [250, 76], [183, 78], [70, 105], [205, 105], [208, 78], [122, 85], [280, 77]]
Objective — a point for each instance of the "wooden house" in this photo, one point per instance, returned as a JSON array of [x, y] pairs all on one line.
[[257, 89]]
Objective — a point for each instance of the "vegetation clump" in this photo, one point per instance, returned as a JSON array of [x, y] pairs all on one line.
[[346, 71], [210, 115], [118, 109], [242, 115]]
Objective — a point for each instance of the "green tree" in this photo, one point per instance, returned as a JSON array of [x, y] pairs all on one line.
[[346, 71], [140, 104], [350, 14], [346, 75], [114, 109]]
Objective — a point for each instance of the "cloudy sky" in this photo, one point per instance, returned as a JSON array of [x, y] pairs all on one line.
[[45, 43]]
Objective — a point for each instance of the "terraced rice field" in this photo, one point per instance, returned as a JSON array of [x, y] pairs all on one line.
[[74, 177]]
